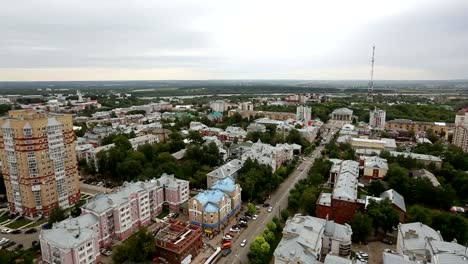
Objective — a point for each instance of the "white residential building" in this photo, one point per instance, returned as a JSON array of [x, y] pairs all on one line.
[[308, 239], [460, 136], [377, 118], [219, 106], [229, 169], [274, 156], [304, 113], [418, 243], [246, 106]]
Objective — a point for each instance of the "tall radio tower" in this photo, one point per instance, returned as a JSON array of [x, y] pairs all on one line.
[[370, 87]]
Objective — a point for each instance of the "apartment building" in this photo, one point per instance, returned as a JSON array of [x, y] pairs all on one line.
[[72, 241], [460, 136], [214, 207], [440, 128], [418, 243], [229, 169], [377, 118], [342, 204], [304, 113], [310, 240], [219, 106], [246, 106], [107, 217], [267, 114], [273, 156], [37, 151]]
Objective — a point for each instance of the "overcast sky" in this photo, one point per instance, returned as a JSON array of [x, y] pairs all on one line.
[[156, 39]]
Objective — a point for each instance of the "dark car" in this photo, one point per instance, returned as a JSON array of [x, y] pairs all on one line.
[[387, 241], [8, 244], [243, 224], [16, 231], [266, 205], [19, 246], [175, 215], [31, 231], [248, 215], [226, 252]]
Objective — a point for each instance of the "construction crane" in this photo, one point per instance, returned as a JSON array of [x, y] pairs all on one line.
[[370, 87]]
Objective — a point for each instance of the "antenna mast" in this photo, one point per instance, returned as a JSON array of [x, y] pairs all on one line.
[[370, 88]]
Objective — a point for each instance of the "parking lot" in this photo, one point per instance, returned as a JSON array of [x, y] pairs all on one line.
[[374, 250]]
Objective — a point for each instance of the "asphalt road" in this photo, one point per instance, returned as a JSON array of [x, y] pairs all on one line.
[[279, 201]]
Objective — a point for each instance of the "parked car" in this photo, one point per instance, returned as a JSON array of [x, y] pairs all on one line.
[[266, 205], [31, 231], [8, 244], [19, 246], [387, 241], [227, 238], [254, 217], [243, 243], [106, 252], [230, 234], [6, 231], [16, 231], [243, 224], [236, 230], [4, 240], [226, 245], [270, 209], [226, 252]]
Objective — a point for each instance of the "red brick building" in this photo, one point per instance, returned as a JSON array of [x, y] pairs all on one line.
[[176, 241], [342, 204]]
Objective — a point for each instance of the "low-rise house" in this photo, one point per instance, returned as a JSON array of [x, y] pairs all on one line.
[[397, 200], [256, 127], [273, 156], [375, 168], [378, 144], [308, 239], [423, 173], [426, 159], [229, 169]]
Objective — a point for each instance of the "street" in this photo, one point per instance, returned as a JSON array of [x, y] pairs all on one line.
[[279, 201]]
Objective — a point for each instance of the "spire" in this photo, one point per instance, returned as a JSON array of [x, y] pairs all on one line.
[[370, 87]]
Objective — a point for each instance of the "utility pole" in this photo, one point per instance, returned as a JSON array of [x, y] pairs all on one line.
[[370, 87]]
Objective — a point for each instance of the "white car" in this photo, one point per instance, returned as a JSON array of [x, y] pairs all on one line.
[[6, 231], [254, 217], [4, 240], [243, 243], [270, 209], [234, 230], [106, 252]]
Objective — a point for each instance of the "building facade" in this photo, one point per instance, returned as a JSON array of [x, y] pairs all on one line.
[[229, 169], [342, 114], [40, 170], [440, 128], [374, 168], [218, 106], [304, 113], [342, 204], [212, 208], [460, 136], [178, 242], [377, 118], [267, 114]]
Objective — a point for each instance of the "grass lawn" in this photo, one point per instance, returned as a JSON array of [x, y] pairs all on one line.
[[163, 214], [19, 223], [4, 217], [40, 222]]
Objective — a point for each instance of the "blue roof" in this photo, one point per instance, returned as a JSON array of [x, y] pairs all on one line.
[[209, 196], [225, 185], [216, 114]]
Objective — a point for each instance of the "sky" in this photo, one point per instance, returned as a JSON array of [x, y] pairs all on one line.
[[56, 40]]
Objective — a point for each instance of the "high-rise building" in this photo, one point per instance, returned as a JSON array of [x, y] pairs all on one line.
[[377, 118], [304, 113], [460, 136], [40, 171]]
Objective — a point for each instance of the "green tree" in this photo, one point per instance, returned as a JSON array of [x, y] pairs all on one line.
[[383, 215], [139, 247], [195, 137], [376, 188], [57, 215], [284, 215], [251, 208], [361, 225], [259, 250]]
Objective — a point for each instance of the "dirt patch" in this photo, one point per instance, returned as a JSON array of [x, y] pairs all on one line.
[[374, 249]]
